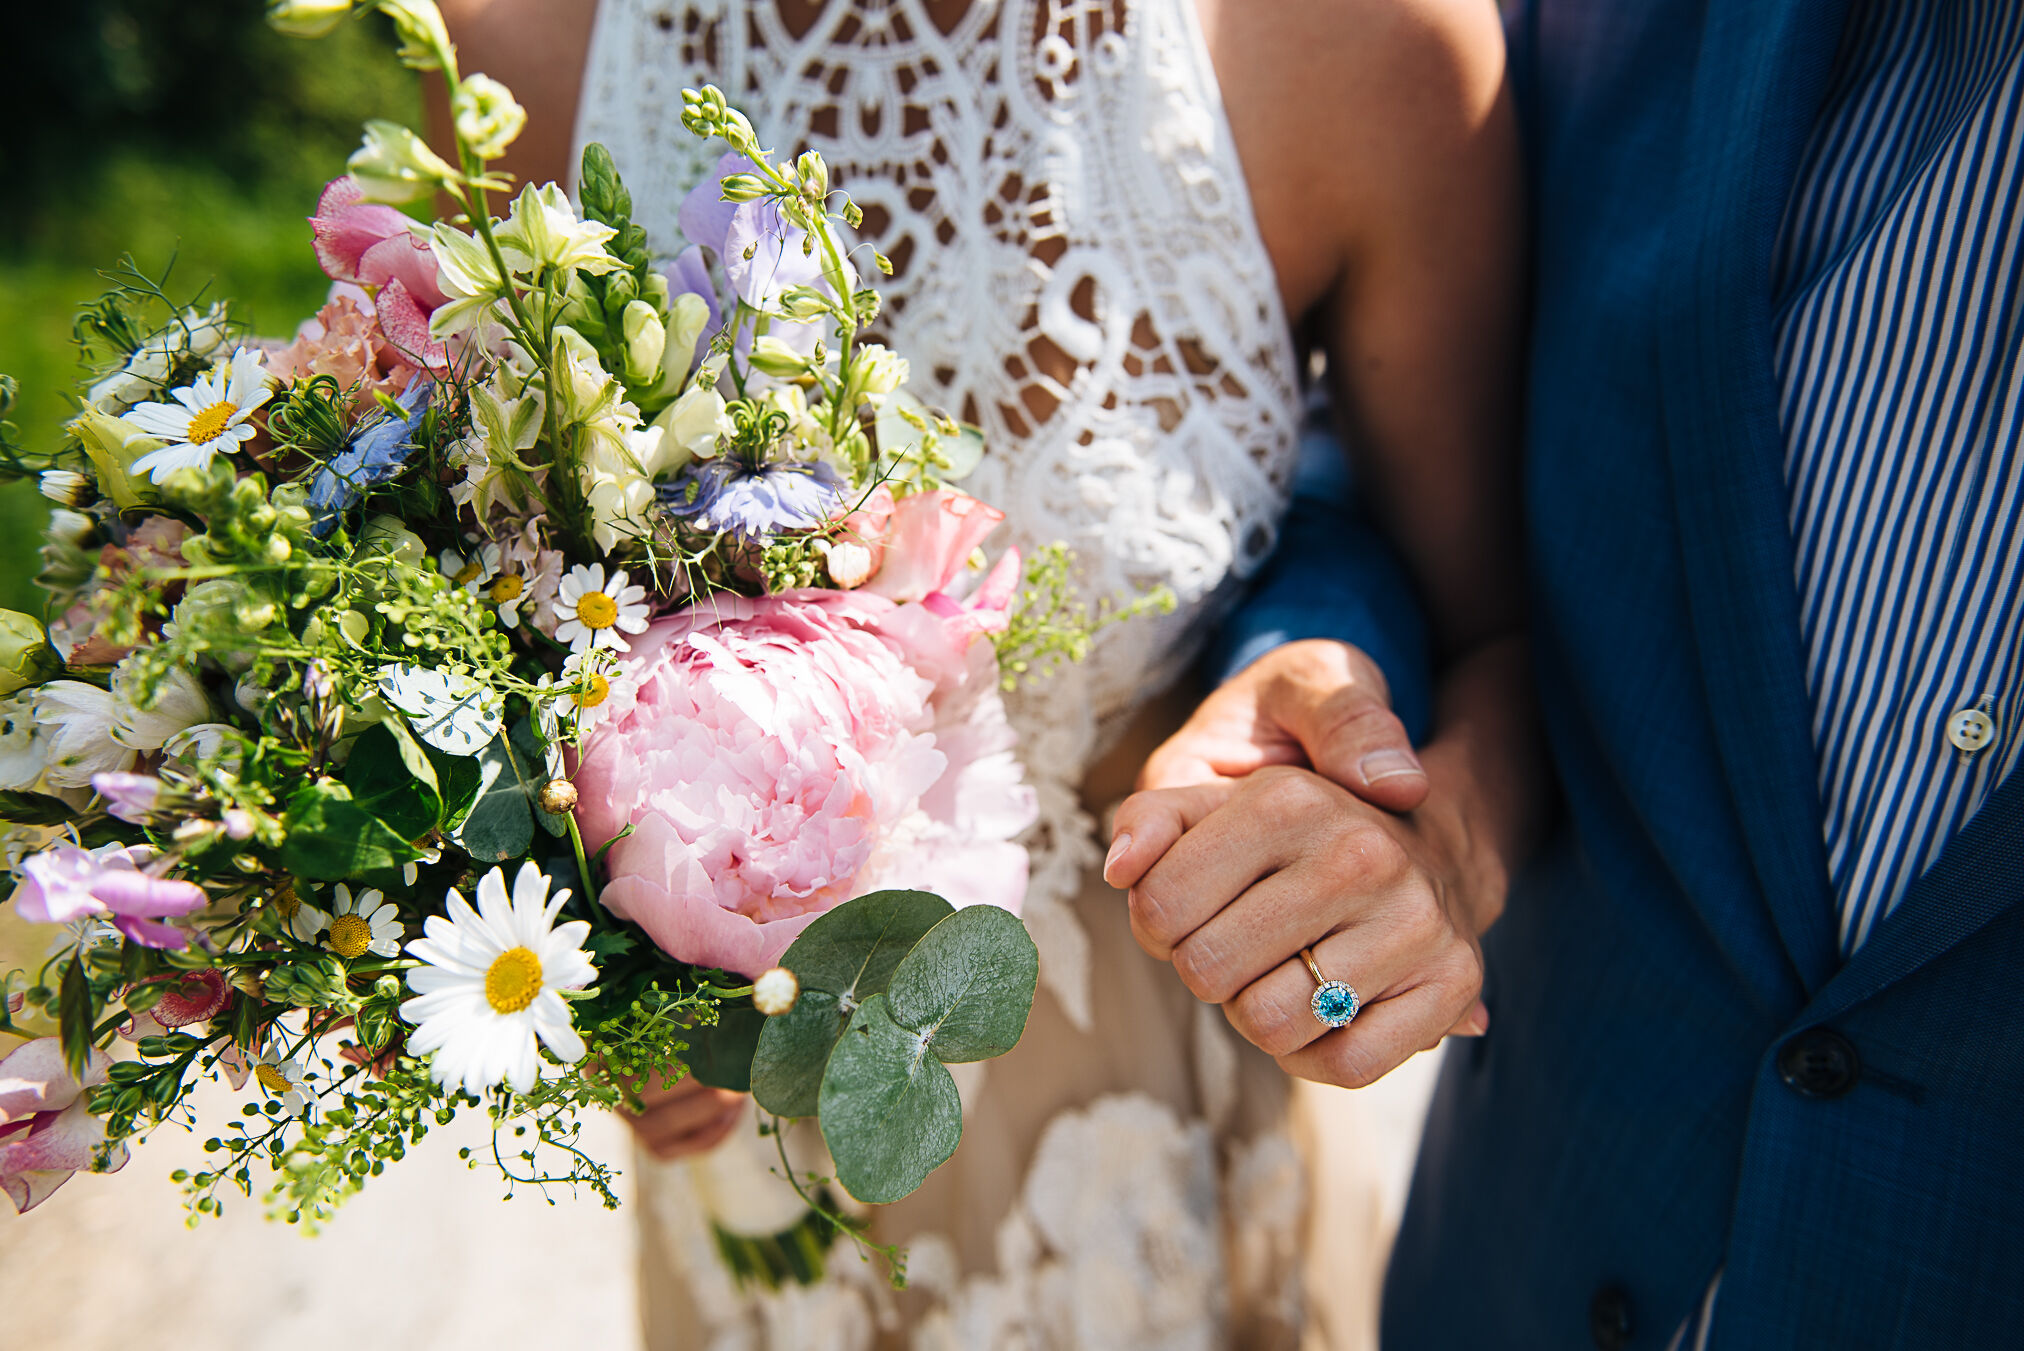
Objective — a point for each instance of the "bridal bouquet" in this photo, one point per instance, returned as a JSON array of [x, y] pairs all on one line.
[[548, 674]]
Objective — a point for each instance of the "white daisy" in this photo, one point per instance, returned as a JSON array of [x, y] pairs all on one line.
[[593, 611], [284, 1080], [299, 919], [454, 713], [410, 871], [489, 988], [367, 923], [206, 417], [594, 687], [473, 572]]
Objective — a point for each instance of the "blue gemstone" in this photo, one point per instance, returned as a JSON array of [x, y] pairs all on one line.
[[1335, 1004]]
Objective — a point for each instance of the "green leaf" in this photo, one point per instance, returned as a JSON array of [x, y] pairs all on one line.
[[460, 777], [500, 824], [331, 837], [34, 809], [967, 986], [534, 753], [382, 783], [73, 1018], [841, 960], [721, 1056], [890, 1113], [412, 754], [609, 943]]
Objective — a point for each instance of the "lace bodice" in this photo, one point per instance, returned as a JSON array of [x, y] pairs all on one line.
[[1078, 272]]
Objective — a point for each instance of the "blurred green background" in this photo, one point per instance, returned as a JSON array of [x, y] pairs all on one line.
[[171, 129]]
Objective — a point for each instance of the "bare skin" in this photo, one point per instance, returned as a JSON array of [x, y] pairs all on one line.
[[1379, 149]]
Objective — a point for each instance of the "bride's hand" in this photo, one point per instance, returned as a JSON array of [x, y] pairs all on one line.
[[1317, 704], [689, 1118]]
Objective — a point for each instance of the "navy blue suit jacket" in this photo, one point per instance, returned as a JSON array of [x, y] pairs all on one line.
[[1681, 1076]]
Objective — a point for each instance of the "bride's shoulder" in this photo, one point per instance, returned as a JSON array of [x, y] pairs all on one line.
[[1354, 117]]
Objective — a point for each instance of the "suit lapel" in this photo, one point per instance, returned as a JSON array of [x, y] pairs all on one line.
[[1761, 76]]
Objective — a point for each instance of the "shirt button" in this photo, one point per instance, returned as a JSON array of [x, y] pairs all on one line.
[[1609, 1322], [1970, 730], [1819, 1063]]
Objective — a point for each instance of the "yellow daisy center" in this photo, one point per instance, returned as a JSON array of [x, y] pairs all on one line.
[[350, 935], [286, 903], [467, 574], [507, 588], [597, 610], [211, 423], [272, 1079], [595, 692], [513, 980]]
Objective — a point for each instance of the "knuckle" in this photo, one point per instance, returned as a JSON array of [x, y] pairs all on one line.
[[1264, 1022], [1201, 965], [1153, 913], [1351, 1064]]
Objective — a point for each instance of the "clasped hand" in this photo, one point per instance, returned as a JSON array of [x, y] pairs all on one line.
[[1290, 813]]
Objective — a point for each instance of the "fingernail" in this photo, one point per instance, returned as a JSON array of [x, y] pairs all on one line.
[[1388, 763], [1119, 847], [1479, 1019]]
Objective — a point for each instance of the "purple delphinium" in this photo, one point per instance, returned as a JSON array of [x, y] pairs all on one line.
[[732, 230], [731, 495]]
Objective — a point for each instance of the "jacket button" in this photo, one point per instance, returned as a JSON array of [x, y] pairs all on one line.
[[1609, 1318], [1819, 1063]]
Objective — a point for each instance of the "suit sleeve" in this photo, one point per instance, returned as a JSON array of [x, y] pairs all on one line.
[[1333, 576]]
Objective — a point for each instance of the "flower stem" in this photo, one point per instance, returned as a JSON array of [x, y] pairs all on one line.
[[582, 861]]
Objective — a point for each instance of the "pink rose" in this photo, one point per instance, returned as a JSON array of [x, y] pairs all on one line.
[[928, 540], [790, 752], [46, 1130]]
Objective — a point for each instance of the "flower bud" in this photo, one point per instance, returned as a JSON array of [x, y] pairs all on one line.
[[742, 187], [306, 18], [487, 116], [646, 339], [26, 658], [557, 796], [65, 487], [419, 25], [113, 445], [395, 165], [849, 565], [773, 357], [775, 992], [814, 175]]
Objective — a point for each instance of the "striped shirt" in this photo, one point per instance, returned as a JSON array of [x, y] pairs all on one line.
[[1899, 293]]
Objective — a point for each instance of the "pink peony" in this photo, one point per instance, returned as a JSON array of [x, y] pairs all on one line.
[[46, 1130], [65, 884], [788, 753]]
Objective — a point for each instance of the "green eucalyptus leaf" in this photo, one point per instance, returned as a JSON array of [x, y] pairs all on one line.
[[890, 1112], [967, 986], [841, 960], [500, 824]]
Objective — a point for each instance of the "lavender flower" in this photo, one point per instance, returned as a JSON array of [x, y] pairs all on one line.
[[732, 495], [762, 252]]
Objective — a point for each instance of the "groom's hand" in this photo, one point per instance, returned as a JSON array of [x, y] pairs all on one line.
[[1315, 703], [1228, 878]]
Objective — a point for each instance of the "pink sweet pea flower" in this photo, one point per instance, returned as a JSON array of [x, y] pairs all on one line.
[[787, 753], [375, 247], [46, 1131], [67, 883], [928, 540]]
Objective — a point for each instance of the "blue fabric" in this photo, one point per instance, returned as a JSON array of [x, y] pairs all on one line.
[[1624, 1126], [1332, 576]]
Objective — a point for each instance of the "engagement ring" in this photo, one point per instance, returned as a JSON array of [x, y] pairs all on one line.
[[1334, 1002]]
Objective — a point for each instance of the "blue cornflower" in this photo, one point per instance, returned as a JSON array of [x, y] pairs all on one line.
[[732, 495], [376, 453]]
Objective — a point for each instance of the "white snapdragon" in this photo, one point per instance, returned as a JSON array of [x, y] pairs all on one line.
[[395, 165], [542, 231], [75, 723]]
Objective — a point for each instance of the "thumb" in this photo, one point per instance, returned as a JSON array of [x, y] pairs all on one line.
[[1352, 736]]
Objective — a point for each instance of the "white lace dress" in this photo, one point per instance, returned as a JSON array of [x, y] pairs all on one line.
[[1079, 272]]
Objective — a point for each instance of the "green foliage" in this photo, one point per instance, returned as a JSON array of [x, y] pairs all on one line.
[[841, 960], [1050, 622], [332, 837]]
